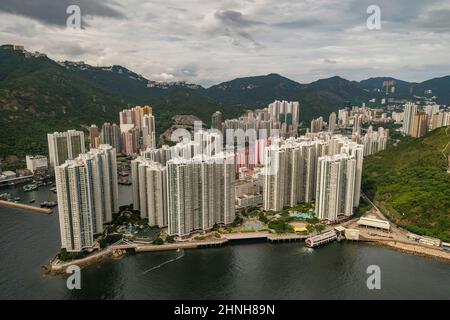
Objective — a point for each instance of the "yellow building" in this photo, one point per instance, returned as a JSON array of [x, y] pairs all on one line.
[[148, 109]]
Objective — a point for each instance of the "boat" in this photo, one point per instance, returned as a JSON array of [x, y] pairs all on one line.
[[52, 204], [5, 196], [17, 199], [48, 204], [32, 201], [53, 189], [30, 187], [321, 239]]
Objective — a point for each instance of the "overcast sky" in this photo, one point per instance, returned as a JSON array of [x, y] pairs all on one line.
[[210, 41]]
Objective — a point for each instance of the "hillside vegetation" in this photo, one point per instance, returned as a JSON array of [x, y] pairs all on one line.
[[411, 182], [38, 95]]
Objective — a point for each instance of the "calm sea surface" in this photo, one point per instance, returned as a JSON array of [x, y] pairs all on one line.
[[244, 271]]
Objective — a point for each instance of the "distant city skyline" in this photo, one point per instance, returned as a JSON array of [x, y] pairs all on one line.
[[215, 41]]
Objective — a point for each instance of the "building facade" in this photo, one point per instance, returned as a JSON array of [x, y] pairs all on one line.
[[64, 146], [87, 196]]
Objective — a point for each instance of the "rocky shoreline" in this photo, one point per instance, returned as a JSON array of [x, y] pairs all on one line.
[[414, 249]]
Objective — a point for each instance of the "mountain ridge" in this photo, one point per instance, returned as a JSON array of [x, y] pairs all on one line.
[[39, 95]]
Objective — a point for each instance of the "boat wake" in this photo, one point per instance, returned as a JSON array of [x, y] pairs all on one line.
[[179, 256]]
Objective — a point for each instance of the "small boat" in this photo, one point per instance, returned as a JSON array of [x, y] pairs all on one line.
[[32, 201], [51, 204], [17, 199], [48, 204], [30, 187], [5, 196], [53, 189]]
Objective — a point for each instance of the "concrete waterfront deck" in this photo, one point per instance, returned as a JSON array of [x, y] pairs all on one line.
[[180, 245], [21, 206]]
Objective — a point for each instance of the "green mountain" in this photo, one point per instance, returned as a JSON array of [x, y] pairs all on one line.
[[319, 98], [411, 182], [407, 90], [256, 91], [440, 88], [38, 96]]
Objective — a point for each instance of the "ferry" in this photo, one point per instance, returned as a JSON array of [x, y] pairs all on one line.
[[321, 239]]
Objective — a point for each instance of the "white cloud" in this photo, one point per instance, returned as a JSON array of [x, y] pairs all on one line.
[[208, 42], [163, 77]]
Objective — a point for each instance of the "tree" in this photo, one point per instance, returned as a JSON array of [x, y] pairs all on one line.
[[158, 241], [320, 227]]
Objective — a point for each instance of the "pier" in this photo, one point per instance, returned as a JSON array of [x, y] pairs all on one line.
[[180, 245], [271, 237], [21, 206]]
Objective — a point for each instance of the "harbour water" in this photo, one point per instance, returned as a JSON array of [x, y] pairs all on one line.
[[243, 271]]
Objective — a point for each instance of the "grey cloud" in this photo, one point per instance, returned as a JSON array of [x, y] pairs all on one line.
[[54, 12], [208, 42], [237, 27], [235, 19], [72, 50], [298, 24], [329, 61], [436, 20]]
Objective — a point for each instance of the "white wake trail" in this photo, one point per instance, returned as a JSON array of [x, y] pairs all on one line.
[[164, 263]]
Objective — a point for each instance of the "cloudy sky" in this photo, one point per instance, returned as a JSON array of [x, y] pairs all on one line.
[[210, 41]]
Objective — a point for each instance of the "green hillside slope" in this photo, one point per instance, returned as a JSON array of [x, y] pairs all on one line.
[[412, 183], [38, 96]]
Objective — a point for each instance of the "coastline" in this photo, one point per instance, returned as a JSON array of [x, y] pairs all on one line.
[[413, 249], [56, 267]]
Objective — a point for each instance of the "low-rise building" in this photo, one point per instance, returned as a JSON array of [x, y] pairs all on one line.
[[352, 234], [374, 223], [430, 241], [36, 163], [249, 200]]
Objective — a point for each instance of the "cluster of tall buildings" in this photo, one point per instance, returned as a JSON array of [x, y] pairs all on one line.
[[317, 125], [136, 131], [110, 134], [283, 116], [137, 126], [304, 169], [191, 187], [356, 116], [87, 196], [353, 117], [373, 141], [187, 193], [440, 119], [417, 123]]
